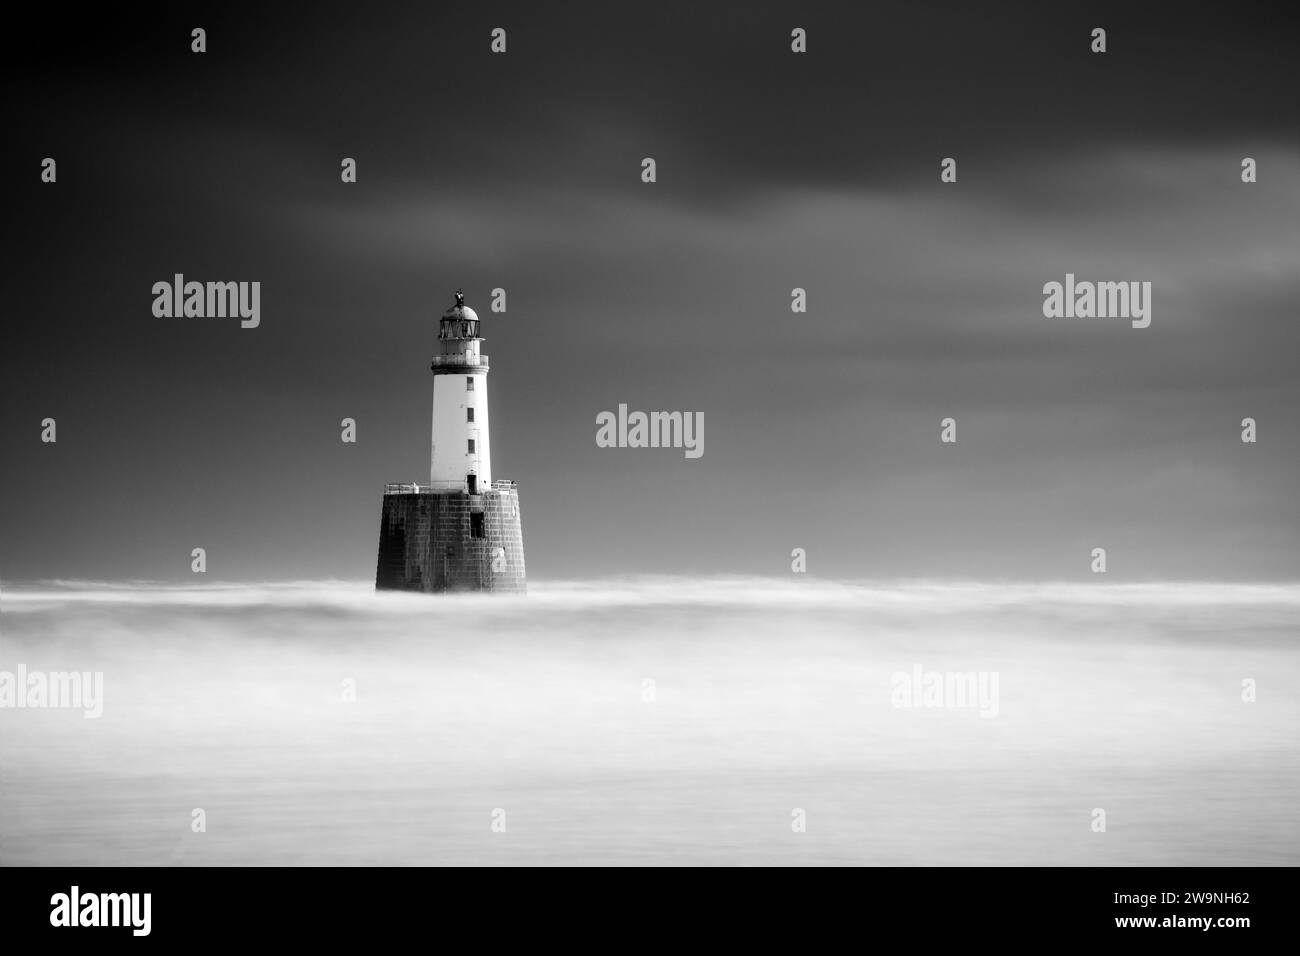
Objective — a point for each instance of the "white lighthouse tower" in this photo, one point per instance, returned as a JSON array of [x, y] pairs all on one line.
[[461, 455], [462, 531]]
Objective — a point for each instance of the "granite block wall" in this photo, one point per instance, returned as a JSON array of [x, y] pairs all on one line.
[[427, 542]]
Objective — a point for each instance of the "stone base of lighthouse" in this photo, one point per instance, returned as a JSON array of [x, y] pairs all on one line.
[[432, 540]]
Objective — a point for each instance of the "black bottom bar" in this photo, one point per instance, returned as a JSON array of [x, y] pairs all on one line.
[[331, 907]]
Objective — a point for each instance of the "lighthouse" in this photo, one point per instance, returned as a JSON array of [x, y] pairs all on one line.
[[461, 531]]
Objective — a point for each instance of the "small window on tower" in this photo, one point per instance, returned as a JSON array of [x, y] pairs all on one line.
[[469, 414], [469, 383], [476, 524], [471, 446]]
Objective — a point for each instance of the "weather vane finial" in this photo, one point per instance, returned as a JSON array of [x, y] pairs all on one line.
[[460, 297]]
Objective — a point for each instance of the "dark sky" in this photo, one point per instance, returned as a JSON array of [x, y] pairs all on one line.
[[775, 170]]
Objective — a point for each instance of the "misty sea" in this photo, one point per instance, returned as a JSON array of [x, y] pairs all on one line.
[[654, 721]]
